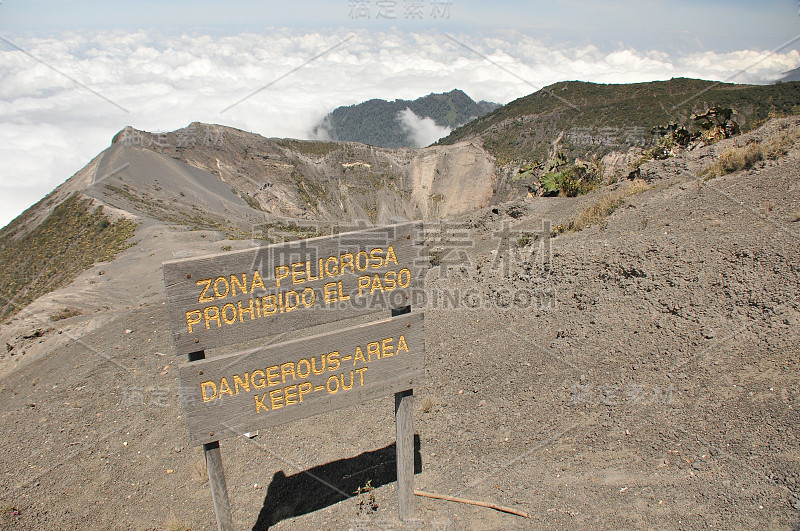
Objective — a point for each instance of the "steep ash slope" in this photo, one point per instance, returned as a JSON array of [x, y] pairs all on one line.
[[333, 181]]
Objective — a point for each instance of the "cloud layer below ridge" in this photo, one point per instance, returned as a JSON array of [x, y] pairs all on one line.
[[52, 126]]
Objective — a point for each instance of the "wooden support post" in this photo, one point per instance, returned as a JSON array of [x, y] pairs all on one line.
[[219, 490], [404, 443], [404, 423], [216, 474]]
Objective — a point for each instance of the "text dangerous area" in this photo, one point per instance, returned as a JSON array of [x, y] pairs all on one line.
[[289, 383], [231, 394]]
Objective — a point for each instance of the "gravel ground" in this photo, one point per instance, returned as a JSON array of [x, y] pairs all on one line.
[[646, 377]]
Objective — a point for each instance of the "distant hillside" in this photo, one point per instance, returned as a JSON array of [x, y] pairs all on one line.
[[378, 122], [597, 118], [791, 75]]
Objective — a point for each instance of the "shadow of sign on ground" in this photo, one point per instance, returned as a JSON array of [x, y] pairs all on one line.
[[303, 493]]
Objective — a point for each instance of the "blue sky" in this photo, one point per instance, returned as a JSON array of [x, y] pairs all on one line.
[[680, 25], [74, 73]]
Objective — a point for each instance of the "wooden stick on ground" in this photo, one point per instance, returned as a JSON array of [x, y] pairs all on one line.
[[471, 502]]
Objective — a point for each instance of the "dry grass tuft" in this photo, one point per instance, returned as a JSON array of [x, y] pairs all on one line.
[[603, 207], [597, 213], [735, 159], [742, 158], [427, 404], [65, 313], [199, 471], [173, 524]]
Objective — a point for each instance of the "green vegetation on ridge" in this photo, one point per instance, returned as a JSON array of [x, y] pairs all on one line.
[[596, 118], [69, 241]]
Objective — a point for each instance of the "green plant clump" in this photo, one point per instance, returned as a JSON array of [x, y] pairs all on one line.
[[573, 181]]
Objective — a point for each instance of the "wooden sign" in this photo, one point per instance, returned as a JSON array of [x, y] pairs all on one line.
[[232, 394], [234, 297]]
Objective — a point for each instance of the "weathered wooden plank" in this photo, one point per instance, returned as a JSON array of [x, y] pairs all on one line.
[[233, 297], [268, 386], [404, 426]]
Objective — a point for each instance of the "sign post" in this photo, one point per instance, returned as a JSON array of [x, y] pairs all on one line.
[[216, 473], [256, 293], [404, 433], [404, 443]]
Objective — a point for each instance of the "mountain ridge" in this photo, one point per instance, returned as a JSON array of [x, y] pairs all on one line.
[[235, 184], [377, 122], [595, 118]]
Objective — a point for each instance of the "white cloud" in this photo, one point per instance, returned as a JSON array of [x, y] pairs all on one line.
[[51, 127], [422, 131]]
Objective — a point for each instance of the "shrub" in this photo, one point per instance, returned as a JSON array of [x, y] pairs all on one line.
[[435, 256], [576, 180], [251, 201], [526, 238], [428, 404]]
